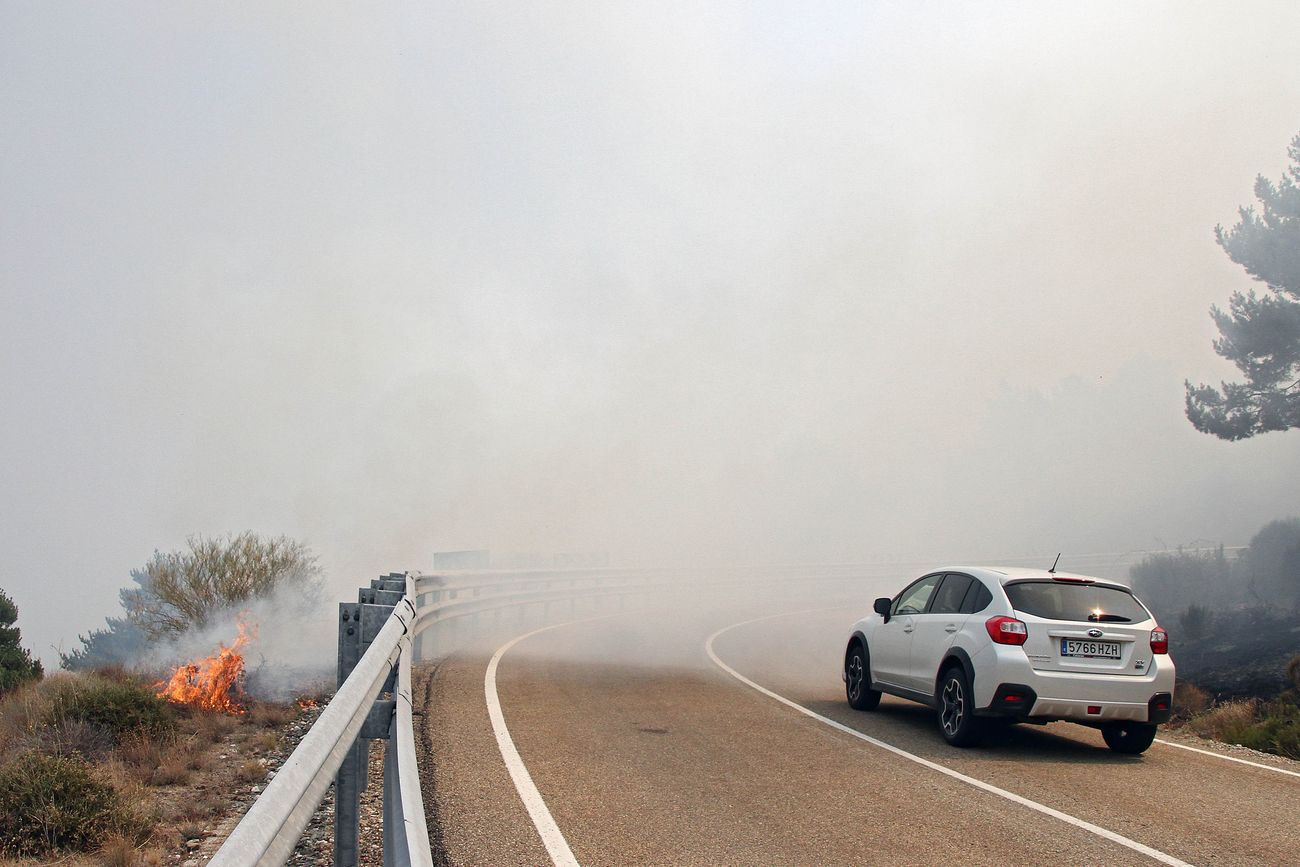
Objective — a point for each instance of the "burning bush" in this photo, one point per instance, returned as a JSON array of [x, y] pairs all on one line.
[[211, 683]]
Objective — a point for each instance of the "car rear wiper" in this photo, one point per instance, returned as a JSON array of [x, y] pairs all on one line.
[[1109, 618]]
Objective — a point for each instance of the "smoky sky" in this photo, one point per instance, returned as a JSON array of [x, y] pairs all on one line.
[[683, 282]]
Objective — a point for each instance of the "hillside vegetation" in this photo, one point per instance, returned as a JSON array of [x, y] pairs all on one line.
[[94, 766], [1235, 633]]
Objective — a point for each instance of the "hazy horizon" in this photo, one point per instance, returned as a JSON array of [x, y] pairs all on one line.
[[716, 283]]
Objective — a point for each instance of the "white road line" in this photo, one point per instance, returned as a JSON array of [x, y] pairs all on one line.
[[556, 845], [1227, 758], [979, 784]]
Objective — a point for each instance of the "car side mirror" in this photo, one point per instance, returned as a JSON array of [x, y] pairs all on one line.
[[882, 607]]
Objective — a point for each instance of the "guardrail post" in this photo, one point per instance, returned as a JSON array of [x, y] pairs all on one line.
[[393, 824], [359, 623], [347, 784]]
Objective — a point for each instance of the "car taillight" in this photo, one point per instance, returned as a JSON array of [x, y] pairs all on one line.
[[1159, 640], [1007, 630]]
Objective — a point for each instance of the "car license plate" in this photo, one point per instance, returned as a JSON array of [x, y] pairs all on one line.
[[1090, 649]]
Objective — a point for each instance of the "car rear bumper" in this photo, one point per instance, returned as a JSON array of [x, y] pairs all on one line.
[[1087, 698], [1096, 713]]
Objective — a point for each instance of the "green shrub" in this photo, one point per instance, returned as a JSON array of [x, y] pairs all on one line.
[[66, 737], [119, 708], [49, 803], [1270, 727], [1276, 731]]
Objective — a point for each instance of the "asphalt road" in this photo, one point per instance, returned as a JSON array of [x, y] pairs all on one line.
[[643, 750]]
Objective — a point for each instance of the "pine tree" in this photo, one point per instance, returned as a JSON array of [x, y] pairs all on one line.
[[119, 643], [1260, 334], [16, 664]]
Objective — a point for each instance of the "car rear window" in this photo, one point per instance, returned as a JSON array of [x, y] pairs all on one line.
[[1057, 600]]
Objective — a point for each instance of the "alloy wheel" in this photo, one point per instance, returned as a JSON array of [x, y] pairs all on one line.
[[954, 706], [855, 676]]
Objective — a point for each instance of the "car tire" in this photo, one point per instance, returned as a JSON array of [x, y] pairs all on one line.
[[857, 680], [1130, 738], [956, 709]]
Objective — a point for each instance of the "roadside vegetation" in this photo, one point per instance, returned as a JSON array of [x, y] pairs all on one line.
[[96, 766], [1267, 725], [1235, 629]]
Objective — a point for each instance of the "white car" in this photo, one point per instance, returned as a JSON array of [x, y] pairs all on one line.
[[1021, 645]]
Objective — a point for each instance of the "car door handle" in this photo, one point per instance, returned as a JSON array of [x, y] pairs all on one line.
[[951, 627], [908, 628]]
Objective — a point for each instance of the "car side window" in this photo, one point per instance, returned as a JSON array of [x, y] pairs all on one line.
[[948, 599], [914, 599], [977, 598]]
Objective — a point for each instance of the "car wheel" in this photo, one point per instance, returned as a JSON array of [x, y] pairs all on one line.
[[857, 680], [1130, 738], [957, 721]]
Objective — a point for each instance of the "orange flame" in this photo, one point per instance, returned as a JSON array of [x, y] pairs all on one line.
[[212, 683], [306, 702]]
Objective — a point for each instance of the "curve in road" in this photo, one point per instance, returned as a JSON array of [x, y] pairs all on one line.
[[644, 751]]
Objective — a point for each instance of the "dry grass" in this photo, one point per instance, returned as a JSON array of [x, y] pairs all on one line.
[[24, 713], [121, 851], [210, 726], [195, 758], [1225, 721], [118, 851], [140, 756], [1189, 700], [251, 771], [271, 716], [174, 771], [197, 810], [116, 673], [264, 742]]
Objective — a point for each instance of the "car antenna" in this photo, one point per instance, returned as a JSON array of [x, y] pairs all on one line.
[[1052, 571]]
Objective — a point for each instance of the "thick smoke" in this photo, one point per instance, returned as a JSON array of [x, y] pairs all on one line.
[[683, 282]]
